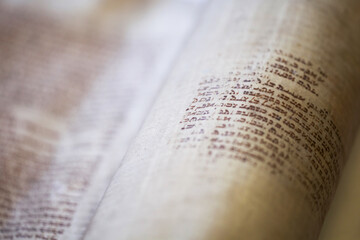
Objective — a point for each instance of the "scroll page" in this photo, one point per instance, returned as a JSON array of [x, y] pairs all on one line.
[[75, 84], [249, 136], [343, 219]]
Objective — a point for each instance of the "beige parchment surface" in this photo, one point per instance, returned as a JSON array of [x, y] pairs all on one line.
[[248, 137]]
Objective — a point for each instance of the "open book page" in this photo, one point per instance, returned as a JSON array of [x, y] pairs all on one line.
[[343, 219], [248, 138], [75, 86]]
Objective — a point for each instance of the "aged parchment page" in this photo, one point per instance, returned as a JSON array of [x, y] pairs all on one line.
[[248, 138], [343, 219], [75, 84]]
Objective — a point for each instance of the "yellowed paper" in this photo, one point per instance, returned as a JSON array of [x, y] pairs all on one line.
[[248, 138], [343, 219]]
